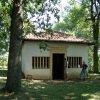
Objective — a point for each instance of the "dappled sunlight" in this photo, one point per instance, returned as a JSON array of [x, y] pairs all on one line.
[[95, 96], [39, 87], [69, 97], [44, 96], [26, 93], [6, 94], [36, 81], [86, 94], [31, 98], [92, 96], [3, 78], [94, 75], [30, 82], [66, 90], [55, 90]]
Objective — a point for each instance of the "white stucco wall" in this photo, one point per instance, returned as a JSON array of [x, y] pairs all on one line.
[[32, 49], [77, 51], [29, 50]]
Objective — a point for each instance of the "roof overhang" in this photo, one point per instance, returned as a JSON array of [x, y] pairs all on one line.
[[61, 41], [57, 37]]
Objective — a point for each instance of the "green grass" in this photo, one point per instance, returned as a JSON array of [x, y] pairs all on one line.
[[56, 90]]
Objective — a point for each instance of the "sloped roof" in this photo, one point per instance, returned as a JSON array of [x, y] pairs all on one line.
[[58, 37]]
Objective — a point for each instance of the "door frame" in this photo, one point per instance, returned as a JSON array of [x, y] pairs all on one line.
[[56, 49]]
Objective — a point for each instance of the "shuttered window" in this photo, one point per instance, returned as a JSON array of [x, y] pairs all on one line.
[[40, 62], [74, 62]]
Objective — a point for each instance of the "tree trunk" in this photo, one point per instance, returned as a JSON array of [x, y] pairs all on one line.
[[95, 54], [95, 23], [13, 83]]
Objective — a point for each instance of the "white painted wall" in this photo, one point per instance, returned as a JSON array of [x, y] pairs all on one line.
[[29, 50], [32, 49], [78, 50]]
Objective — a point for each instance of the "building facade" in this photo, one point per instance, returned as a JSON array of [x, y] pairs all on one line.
[[44, 58]]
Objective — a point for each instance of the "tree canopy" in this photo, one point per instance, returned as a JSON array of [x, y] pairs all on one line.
[[75, 22], [15, 25], [83, 20]]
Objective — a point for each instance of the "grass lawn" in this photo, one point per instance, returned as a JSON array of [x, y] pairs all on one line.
[[56, 90]]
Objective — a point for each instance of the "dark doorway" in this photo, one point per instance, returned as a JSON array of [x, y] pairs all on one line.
[[58, 66]]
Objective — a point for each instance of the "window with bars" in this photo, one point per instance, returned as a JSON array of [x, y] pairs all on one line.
[[40, 62], [74, 62]]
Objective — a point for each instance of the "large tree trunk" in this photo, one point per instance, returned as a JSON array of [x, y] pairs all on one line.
[[13, 83], [95, 22], [95, 54]]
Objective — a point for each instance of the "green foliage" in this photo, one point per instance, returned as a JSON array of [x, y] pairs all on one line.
[[4, 26], [75, 21], [39, 14], [33, 9]]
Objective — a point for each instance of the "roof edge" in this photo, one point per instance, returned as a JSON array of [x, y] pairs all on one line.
[[77, 42]]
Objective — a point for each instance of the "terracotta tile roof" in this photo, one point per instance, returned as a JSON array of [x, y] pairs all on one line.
[[60, 37]]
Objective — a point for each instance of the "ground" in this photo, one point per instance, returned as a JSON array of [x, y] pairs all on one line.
[[55, 90]]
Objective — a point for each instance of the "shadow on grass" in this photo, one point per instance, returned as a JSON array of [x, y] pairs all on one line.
[[55, 90]]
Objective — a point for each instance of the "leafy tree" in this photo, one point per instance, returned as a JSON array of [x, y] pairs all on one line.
[[83, 19], [75, 22], [40, 16], [4, 26], [94, 16], [95, 19], [19, 17]]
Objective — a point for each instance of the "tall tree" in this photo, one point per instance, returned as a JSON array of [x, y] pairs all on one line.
[[13, 83], [95, 18]]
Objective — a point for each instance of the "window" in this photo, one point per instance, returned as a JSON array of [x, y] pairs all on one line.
[[40, 62], [74, 62]]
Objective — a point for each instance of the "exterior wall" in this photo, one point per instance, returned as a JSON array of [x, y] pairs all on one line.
[[73, 73], [77, 51], [32, 49]]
